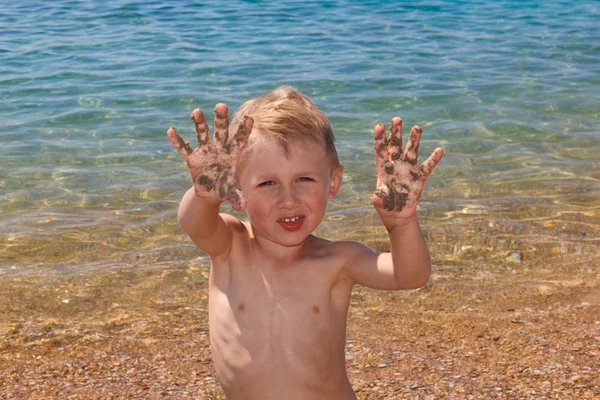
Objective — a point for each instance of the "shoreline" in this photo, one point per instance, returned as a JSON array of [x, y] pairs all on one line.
[[477, 330]]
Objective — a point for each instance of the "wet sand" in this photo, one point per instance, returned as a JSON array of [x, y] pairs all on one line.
[[511, 329]]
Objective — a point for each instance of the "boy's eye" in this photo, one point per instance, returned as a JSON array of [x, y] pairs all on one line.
[[305, 179], [266, 183]]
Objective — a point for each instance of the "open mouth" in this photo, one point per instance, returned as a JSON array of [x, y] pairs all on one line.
[[291, 223]]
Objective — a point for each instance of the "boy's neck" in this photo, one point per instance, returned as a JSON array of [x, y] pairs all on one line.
[[283, 254]]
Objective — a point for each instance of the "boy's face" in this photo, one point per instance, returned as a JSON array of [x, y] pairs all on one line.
[[287, 194]]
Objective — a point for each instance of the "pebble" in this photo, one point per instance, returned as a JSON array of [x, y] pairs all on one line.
[[515, 257]]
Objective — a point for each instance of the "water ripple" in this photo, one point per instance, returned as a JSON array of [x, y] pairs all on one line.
[[509, 88]]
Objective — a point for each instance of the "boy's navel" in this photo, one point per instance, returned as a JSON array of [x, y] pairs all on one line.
[[241, 307], [316, 310]]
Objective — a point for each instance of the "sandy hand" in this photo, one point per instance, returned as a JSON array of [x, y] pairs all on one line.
[[399, 181], [212, 163]]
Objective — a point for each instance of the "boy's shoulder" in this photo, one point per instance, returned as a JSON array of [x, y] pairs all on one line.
[[348, 248], [234, 224], [343, 251]]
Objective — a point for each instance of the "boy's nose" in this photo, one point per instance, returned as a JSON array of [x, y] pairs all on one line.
[[288, 198]]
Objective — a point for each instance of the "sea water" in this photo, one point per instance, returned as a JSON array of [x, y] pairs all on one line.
[[510, 89]]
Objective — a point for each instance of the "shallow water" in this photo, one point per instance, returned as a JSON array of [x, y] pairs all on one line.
[[510, 89]]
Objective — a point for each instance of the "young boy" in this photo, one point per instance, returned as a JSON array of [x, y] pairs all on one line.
[[279, 295]]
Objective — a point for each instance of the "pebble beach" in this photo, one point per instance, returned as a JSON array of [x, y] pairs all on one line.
[[102, 296]]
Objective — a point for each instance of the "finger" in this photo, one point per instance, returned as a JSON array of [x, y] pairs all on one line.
[[237, 199], [381, 193], [380, 143], [412, 147], [202, 131], [180, 145], [433, 160], [221, 124], [395, 142], [241, 137], [377, 200]]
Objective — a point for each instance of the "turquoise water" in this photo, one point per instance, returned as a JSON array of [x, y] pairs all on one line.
[[510, 89]]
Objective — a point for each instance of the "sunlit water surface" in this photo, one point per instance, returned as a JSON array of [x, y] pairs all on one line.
[[510, 89]]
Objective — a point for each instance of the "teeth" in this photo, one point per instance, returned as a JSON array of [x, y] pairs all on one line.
[[289, 220]]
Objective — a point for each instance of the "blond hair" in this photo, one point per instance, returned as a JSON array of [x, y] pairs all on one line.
[[285, 114]]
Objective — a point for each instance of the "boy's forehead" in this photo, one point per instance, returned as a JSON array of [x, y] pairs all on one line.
[[266, 154], [266, 144], [258, 144]]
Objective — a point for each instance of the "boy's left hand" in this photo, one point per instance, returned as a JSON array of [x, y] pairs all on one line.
[[399, 181]]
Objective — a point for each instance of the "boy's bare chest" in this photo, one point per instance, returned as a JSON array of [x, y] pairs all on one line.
[[268, 303], [266, 293], [266, 322]]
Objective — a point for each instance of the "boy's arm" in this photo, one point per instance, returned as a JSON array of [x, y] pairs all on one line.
[[399, 186], [200, 219], [212, 166]]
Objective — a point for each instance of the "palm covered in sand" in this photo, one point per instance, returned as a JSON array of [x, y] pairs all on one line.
[[212, 163], [399, 181]]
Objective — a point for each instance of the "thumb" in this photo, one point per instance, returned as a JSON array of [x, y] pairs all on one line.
[[237, 199]]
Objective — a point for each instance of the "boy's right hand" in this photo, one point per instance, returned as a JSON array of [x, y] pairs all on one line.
[[212, 164]]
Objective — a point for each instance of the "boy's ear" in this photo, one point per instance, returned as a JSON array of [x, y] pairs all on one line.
[[336, 181]]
